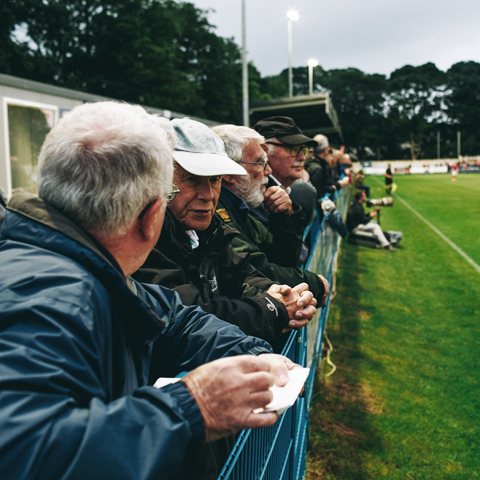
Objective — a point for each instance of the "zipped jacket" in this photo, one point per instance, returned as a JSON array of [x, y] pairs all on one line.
[[215, 277], [75, 353]]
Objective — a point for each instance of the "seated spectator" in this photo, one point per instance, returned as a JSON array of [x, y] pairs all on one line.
[[358, 183], [194, 256], [360, 222], [76, 332], [270, 254]]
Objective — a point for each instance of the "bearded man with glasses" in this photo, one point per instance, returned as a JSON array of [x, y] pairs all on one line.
[[273, 251]]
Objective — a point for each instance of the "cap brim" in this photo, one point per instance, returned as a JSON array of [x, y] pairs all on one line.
[[208, 164], [298, 139]]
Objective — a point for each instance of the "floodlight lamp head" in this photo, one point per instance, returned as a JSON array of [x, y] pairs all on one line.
[[312, 63], [293, 15]]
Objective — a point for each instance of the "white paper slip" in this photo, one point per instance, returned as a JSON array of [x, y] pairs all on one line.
[[162, 381], [285, 397]]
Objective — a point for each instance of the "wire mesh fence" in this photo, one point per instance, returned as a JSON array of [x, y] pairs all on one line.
[[279, 452]]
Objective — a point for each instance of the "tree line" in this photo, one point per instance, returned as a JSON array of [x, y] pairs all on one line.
[[166, 54]]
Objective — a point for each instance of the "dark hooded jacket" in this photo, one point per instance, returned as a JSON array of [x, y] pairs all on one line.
[[215, 277], [75, 354], [356, 216]]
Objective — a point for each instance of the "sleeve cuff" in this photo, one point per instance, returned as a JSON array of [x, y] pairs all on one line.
[[188, 409], [258, 351]]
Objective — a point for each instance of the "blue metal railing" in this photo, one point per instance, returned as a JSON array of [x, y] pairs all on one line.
[[279, 452]]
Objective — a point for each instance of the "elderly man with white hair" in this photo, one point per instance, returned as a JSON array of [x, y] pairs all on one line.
[[77, 333], [269, 250]]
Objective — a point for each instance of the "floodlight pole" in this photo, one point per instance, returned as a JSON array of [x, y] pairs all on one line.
[[311, 63], [245, 67], [459, 144], [292, 15]]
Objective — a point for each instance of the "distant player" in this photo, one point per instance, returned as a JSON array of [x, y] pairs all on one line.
[[454, 172], [388, 180]]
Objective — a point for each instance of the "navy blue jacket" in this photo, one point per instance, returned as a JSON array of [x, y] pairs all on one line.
[[75, 349]]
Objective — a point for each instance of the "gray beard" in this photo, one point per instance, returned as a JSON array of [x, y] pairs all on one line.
[[250, 191]]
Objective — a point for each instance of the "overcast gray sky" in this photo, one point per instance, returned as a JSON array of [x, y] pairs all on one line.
[[376, 36]]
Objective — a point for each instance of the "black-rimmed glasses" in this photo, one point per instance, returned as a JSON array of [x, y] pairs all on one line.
[[264, 163], [294, 150], [171, 195]]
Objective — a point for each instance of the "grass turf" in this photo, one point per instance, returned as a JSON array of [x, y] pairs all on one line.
[[404, 402]]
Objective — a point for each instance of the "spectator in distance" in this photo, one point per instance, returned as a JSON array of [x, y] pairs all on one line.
[[76, 332], [319, 167], [358, 221], [194, 255], [271, 253], [358, 182]]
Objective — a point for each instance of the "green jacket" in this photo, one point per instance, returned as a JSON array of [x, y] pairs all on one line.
[[269, 251]]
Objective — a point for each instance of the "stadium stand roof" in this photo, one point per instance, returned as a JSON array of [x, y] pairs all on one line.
[[312, 113]]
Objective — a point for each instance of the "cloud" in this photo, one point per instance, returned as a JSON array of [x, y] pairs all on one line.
[[376, 36]]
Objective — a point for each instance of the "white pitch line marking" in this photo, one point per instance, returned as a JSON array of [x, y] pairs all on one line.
[[439, 233]]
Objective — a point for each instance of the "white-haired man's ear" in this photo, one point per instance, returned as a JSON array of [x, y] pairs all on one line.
[[148, 221]]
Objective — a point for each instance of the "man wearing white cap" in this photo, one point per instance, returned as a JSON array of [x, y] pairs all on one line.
[[194, 255]]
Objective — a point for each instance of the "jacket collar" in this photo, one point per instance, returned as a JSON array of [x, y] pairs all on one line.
[[173, 232], [235, 203]]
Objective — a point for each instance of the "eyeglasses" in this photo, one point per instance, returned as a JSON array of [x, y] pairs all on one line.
[[294, 150], [264, 163], [171, 195]]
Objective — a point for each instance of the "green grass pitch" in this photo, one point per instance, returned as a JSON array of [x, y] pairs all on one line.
[[404, 402]]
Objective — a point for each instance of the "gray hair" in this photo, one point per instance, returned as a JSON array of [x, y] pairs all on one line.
[[322, 141], [103, 163], [236, 138]]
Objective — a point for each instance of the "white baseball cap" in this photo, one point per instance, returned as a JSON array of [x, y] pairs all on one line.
[[201, 151]]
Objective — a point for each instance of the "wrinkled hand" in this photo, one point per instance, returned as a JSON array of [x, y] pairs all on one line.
[[227, 391], [277, 200], [299, 302], [327, 289]]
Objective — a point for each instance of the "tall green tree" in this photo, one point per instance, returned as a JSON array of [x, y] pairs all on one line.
[[158, 52], [463, 103], [416, 102]]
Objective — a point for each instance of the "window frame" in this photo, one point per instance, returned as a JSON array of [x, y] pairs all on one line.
[[20, 103]]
